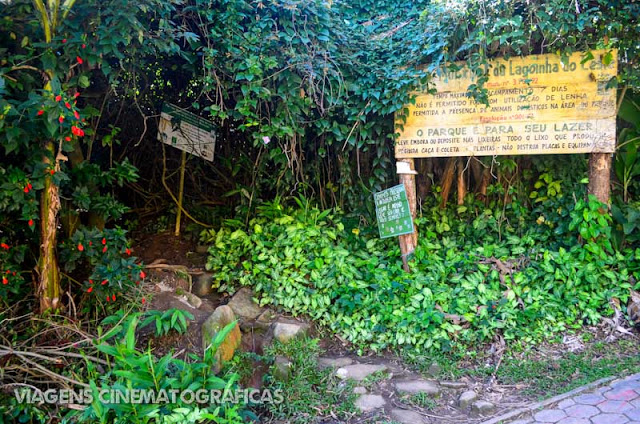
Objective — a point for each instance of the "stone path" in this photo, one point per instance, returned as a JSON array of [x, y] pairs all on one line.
[[615, 403]]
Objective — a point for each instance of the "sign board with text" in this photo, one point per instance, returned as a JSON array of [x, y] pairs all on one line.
[[393, 213], [538, 105], [187, 131]]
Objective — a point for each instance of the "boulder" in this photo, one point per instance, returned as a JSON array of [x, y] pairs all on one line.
[[467, 398], [219, 319], [282, 368], [243, 305], [203, 284], [482, 407], [285, 330], [193, 300]]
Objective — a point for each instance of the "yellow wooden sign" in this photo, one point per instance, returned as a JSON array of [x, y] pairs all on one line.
[[538, 105]]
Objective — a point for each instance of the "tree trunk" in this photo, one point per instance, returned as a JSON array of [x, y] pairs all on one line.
[[600, 176], [49, 274], [447, 180], [462, 186]]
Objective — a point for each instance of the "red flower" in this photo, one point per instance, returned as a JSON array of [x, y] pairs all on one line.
[[80, 247], [90, 243], [77, 94], [60, 119], [58, 98], [90, 289], [104, 240], [90, 281], [127, 251], [67, 138], [68, 105], [143, 300], [4, 246], [107, 298], [84, 46], [31, 223], [113, 297], [76, 114], [30, 186], [77, 131], [64, 40], [8, 271], [79, 59], [26, 189], [5, 280], [104, 249], [137, 283], [52, 171], [142, 275], [104, 282], [40, 112]]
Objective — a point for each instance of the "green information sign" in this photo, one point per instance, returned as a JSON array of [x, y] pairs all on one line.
[[392, 210]]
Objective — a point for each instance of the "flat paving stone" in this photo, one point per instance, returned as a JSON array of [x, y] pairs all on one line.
[[617, 406], [418, 386], [574, 420], [565, 404], [589, 399], [359, 372], [405, 416], [609, 419], [621, 394], [581, 411], [633, 414], [368, 403], [550, 416]]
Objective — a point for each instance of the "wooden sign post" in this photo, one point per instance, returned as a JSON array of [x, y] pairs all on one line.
[[408, 242]]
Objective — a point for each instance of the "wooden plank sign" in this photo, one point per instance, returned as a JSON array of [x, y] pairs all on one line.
[[538, 105], [187, 131], [393, 212]]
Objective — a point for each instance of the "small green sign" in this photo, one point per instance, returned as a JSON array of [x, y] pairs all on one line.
[[392, 210]]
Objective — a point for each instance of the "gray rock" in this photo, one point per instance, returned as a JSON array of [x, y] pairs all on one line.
[[359, 372], [453, 384], [219, 319], [267, 316], [285, 330], [243, 305], [482, 407], [434, 369], [359, 390], [465, 399], [202, 284], [418, 386], [368, 403], [193, 300], [405, 416], [334, 362], [282, 368]]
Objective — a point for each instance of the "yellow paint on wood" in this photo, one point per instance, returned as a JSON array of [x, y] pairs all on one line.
[[538, 105]]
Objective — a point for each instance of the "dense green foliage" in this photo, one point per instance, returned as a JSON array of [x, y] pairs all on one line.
[[477, 273]]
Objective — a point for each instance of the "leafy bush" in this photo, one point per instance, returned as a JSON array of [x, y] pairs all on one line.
[[130, 368], [477, 272]]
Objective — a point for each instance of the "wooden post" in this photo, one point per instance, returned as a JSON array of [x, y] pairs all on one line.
[[408, 242], [600, 176], [183, 165]]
